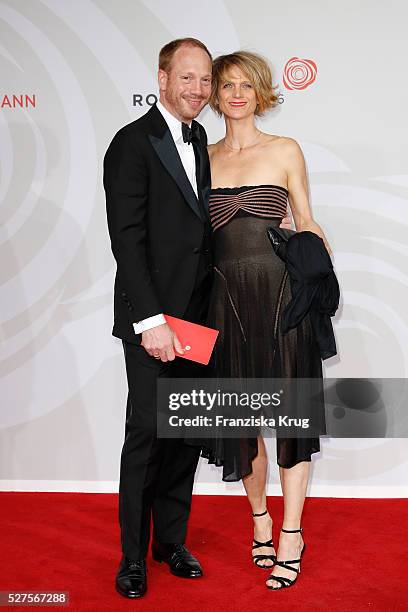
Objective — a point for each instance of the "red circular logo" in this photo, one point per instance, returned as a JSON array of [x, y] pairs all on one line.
[[299, 73]]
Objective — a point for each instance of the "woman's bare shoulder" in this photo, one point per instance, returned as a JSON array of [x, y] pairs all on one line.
[[284, 144], [280, 141], [214, 145], [213, 148]]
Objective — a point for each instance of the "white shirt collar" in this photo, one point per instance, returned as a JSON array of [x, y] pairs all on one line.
[[172, 121]]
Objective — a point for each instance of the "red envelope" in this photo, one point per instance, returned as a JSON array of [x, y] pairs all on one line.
[[197, 340]]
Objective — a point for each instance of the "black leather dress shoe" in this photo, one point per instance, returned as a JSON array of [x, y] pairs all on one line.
[[179, 559], [131, 580]]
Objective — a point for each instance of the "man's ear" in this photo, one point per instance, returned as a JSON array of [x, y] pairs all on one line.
[[162, 77]]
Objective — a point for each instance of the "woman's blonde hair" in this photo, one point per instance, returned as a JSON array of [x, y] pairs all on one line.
[[256, 69]]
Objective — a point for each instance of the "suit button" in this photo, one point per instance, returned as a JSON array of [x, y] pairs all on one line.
[[123, 294], [196, 250]]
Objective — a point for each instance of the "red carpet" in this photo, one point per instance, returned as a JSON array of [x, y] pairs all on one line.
[[355, 559]]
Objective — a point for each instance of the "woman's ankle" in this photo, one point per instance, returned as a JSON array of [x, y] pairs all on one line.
[[291, 526]]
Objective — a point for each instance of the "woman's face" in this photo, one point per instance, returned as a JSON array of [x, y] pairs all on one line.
[[236, 95]]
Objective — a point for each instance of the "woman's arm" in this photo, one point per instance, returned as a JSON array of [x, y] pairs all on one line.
[[298, 191]]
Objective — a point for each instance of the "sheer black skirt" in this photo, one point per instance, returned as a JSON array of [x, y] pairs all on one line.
[[251, 288]]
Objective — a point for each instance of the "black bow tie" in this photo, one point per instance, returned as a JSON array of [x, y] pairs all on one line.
[[190, 134]]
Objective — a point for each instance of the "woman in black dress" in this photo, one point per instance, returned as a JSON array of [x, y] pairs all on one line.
[[254, 175]]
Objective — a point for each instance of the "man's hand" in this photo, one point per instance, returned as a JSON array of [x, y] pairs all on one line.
[[286, 222], [161, 343]]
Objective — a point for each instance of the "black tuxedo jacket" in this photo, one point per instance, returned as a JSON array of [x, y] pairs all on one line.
[[155, 222]]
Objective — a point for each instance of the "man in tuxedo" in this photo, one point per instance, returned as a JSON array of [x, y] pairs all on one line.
[[156, 179]]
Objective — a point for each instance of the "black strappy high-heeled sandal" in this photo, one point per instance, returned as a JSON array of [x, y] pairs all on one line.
[[287, 582], [257, 558]]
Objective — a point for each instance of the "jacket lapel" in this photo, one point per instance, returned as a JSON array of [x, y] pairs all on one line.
[[168, 155]]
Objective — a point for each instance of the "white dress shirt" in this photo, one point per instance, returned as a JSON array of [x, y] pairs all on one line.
[[187, 157], [184, 149]]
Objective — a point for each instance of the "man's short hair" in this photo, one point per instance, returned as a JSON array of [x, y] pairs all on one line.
[[167, 52]]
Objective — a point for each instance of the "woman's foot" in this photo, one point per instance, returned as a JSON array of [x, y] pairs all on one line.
[[263, 534], [291, 546]]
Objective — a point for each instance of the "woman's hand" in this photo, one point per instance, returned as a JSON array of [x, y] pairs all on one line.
[[286, 222], [312, 226]]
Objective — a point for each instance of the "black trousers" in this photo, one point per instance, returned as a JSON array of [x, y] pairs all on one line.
[[156, 475]]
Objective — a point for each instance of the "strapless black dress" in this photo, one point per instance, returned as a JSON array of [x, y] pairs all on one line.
[[251, 288]]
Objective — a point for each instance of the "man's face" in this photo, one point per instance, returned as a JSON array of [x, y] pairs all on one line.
[[186, 88]]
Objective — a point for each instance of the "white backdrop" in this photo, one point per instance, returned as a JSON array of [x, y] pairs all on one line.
[[81, 63]]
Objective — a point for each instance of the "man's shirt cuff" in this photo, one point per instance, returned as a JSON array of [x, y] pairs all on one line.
[[149, 323]]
